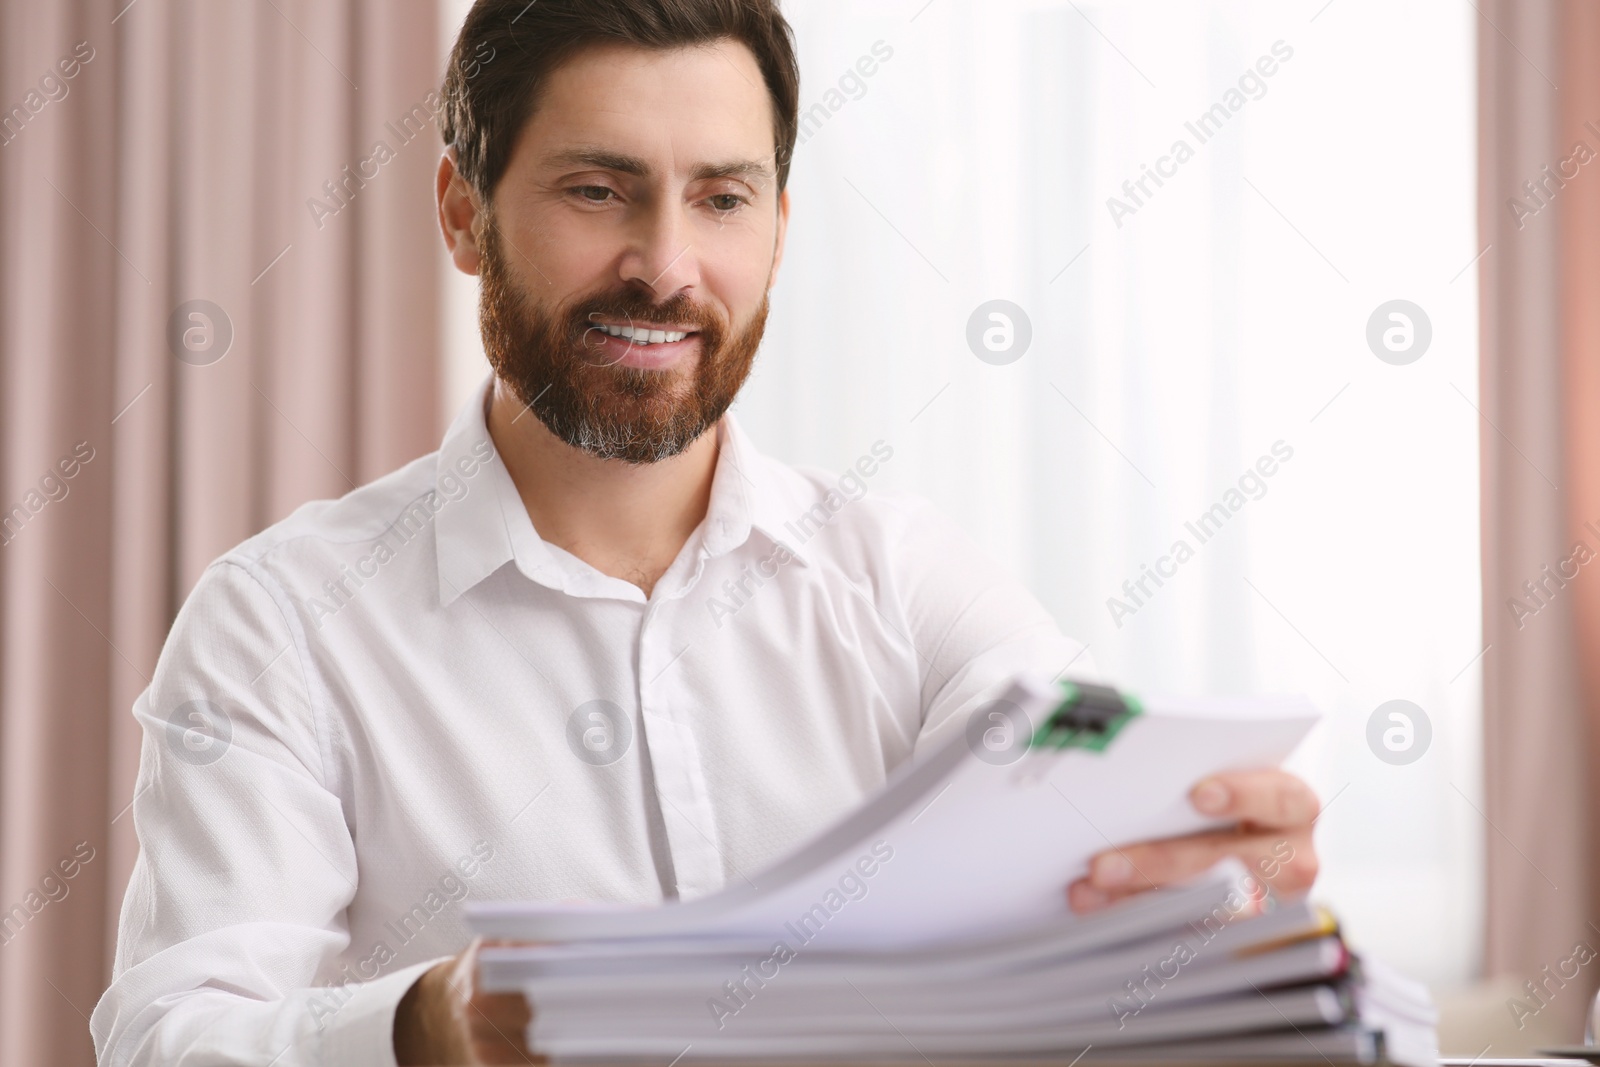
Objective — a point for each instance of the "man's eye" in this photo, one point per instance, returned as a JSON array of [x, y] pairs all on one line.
[[585, 191], [726, 202]]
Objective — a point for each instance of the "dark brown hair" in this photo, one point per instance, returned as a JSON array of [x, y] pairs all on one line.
[[507, 48]]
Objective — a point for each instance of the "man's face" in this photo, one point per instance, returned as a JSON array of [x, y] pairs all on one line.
[[641, 196]]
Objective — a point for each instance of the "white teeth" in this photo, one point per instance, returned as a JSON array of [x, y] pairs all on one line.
[[643, 336]]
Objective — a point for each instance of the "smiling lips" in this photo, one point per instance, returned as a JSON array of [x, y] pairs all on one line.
[[645, 335], [645, 347]]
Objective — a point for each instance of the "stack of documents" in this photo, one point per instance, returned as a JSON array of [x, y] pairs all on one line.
[[931, 922]]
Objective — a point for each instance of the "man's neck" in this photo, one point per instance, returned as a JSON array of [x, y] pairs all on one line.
[[623, 519]]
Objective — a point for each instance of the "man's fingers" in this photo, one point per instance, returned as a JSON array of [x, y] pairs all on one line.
[[1158, 863], [1083, 897], [1274, 811], [1266, 798], [1286, 862], [499, 1022]]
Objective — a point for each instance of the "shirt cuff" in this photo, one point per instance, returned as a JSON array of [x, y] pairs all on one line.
[[362, 1033]]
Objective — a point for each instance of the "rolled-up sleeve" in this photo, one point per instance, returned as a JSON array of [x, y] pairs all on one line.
[[235, 916]]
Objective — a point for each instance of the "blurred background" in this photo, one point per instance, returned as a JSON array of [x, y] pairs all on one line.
[[1081, 263]]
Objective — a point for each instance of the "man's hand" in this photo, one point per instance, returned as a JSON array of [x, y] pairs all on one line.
[[1274, 810], [444, 1018]]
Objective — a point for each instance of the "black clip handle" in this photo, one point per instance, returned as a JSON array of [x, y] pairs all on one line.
[[1090, 707]]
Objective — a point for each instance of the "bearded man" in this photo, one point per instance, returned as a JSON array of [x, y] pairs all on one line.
[[597, 647]]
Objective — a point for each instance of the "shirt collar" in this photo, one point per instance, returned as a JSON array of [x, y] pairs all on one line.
[[472, 539], [746, 495], [481, 523]]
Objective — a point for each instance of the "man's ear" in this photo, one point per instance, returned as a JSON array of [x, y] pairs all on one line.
[[459, 213], [783, 229]]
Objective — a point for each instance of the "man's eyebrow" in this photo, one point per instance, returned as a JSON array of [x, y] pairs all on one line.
[[600, 158], [734, 168], [625, 164]]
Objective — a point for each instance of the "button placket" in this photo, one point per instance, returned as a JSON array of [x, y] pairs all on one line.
[[675, 758]]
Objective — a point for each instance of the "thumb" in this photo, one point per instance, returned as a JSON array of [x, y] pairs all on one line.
[[496, 1023]]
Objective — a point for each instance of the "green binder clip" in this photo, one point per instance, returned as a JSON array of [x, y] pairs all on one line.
[[1088, 717]]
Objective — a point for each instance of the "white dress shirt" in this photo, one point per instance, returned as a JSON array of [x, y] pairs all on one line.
[[390, 703]]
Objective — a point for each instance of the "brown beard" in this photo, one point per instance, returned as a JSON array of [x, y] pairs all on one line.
[[612, 412]]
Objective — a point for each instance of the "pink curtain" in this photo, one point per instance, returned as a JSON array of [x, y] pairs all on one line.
[[153, 155], [1580, 354], [1539, 98]]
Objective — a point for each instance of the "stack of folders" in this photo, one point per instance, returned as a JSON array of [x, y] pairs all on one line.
[[930, 923]]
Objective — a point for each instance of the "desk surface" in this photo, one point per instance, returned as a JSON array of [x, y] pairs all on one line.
[[1066, 1062]]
